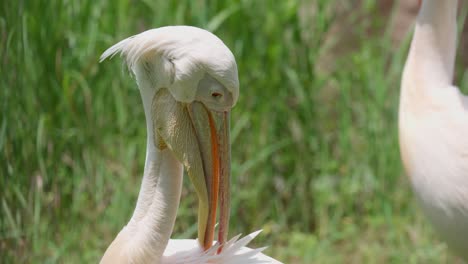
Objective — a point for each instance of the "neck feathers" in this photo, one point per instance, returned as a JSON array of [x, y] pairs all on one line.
[[430, 63], [156, 210], [145, 237], [154, 217]]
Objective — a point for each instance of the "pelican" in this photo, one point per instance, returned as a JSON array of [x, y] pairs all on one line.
[[433, 124], [188, 83]]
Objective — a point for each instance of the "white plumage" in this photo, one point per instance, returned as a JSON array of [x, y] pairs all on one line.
[[433, 125], [188, 251], [188, 82]]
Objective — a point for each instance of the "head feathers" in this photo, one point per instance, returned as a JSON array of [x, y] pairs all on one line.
[[177, 58]]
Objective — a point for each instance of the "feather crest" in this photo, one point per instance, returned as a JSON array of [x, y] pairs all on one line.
[[179, 56]]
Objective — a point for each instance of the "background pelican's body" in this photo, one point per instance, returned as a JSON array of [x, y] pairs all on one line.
[[176, 68], [433, 125]]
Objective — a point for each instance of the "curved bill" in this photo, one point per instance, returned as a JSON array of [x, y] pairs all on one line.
[[212, 133]]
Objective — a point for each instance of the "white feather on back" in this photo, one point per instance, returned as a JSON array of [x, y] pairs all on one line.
[[178, 57], [188, 251]]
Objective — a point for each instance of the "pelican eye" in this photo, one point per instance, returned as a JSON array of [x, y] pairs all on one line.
[[216, 95], [213, 94]]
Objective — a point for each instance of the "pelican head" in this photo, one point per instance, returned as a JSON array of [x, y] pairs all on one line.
[[189, 83]]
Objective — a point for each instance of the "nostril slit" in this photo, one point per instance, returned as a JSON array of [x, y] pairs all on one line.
[[216, 95]]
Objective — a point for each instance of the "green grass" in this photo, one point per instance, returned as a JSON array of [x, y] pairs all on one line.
[[315, 157]]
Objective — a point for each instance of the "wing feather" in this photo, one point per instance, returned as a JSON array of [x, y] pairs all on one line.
[[234, 252]]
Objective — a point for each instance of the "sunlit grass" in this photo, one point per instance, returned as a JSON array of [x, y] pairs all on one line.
[[315, 157]]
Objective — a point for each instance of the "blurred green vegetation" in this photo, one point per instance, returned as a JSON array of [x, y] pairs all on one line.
[[315, 156]]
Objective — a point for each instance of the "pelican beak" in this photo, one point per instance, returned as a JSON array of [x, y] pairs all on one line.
[[199, 139], [212, 133]]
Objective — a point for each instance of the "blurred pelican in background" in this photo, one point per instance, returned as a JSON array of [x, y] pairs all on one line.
[[433, 124], [188, 82]]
